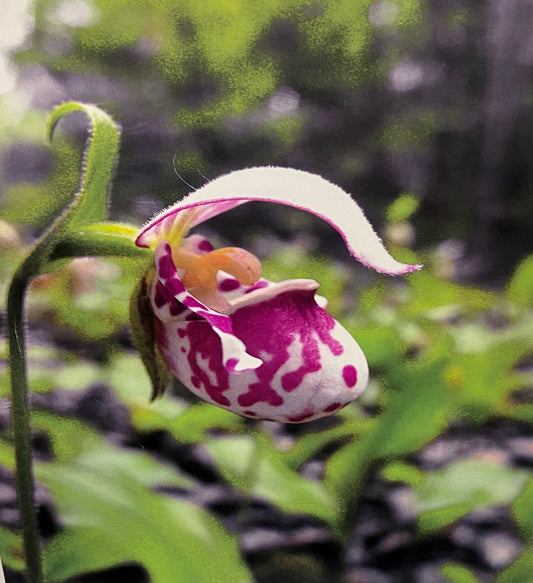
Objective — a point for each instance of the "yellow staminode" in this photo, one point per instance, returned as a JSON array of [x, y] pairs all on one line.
[[200, 271]]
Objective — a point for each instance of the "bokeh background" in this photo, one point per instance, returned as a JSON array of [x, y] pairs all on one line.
[[422, 110], [383, 98]]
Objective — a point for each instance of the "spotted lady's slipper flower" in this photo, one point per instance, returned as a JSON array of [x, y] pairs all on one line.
[[260, 349]]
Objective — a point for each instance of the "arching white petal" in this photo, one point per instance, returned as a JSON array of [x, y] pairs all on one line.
[[287, 186]]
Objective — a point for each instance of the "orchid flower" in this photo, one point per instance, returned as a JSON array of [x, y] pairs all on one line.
[[260, 349]]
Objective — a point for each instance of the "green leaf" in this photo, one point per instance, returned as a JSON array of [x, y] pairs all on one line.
[[402, 208], [402, 472], [111, 516], [311, 443], [465, 485], [430, 293], [90, 202], [255, 467], [380, 345], [458, 574], [520, 287], [68, 437], [414, 414], [193, 424], [522, 511], [11, 550], [480, 384], [519, 571], [347, 468], [415, 409]]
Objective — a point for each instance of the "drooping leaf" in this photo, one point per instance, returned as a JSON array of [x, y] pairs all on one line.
[[89, 204], [104, 498]]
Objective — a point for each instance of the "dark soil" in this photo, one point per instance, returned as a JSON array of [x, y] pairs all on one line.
[[384, 547]]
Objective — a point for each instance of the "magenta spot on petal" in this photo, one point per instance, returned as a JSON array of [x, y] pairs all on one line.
[[161, 296], [205, 246], [250, 414], [191, 316], [310, 363], [165, 265], [301, 417], [229, 284], [333, 407], [205, 348], [271, 327], [176, 308], [267, 329], [183, 349], [191, 302], [349, 374], [259, 285], [231, 364]]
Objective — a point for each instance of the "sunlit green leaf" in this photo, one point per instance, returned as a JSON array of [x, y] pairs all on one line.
[[520, 286], [402, 472], [458, 574], [430, 292], [402, 208], [465, 485], [256, 468], [415, 409], [479, 384], [193, 423], [314, 441], [111, 517]]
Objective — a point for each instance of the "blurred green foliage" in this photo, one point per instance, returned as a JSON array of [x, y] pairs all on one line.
[[435, 358], [223, 85]]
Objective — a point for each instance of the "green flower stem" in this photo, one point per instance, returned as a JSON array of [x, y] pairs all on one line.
[[76, 232], [102, 239], [21, 421]]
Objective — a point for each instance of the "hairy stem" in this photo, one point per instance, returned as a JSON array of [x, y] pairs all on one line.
[[21, 423]]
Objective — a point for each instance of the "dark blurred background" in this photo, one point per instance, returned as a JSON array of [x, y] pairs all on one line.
[[382, 97]]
